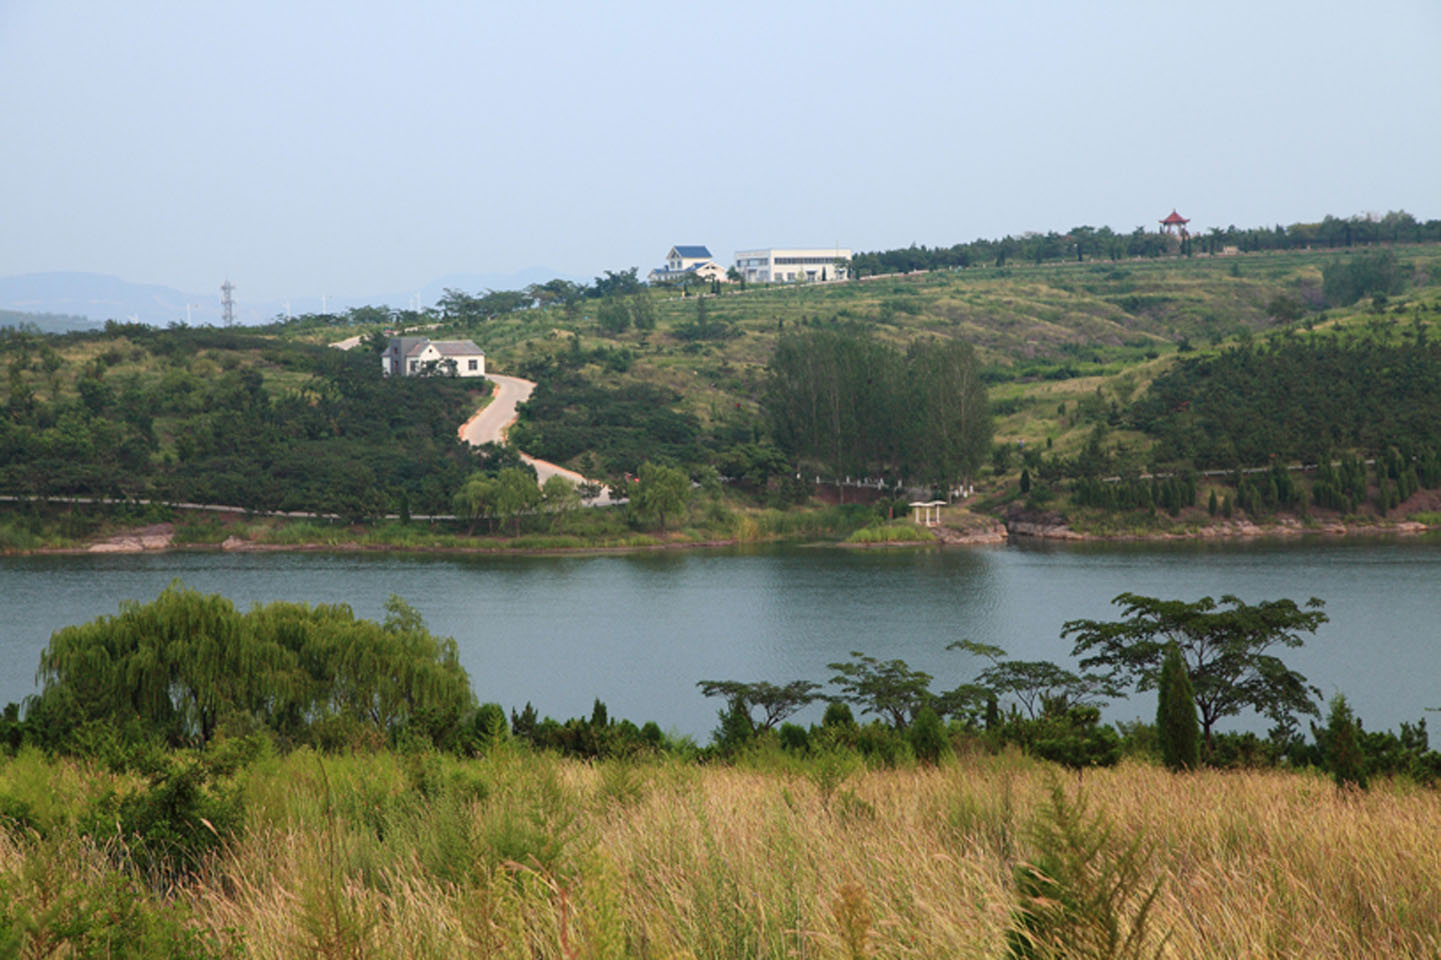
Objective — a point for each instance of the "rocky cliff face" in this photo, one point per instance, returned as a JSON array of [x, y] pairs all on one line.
[[1046, 524]]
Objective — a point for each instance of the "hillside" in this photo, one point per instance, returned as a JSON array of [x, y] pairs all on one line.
[[222, 416], [1068, 351], [1048, 336]]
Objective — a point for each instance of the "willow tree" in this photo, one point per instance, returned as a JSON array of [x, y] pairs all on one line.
[[178, 664], [186, 661], [475, 500]]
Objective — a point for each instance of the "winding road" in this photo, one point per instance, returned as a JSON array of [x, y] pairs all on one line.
[[489, 426]]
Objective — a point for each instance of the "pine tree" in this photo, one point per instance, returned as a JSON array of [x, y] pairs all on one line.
[[1176, 722], [1212, 505], [1348, 765]]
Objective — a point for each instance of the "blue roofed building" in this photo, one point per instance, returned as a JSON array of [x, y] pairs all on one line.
[[686, 262]]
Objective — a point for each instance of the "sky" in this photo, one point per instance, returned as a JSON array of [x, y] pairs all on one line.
[[364, 147]]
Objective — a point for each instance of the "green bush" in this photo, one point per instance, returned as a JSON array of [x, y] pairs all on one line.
[[44, 912], [794, 737], [166, 831], [1083, 894], [927, 737], [902, 531]]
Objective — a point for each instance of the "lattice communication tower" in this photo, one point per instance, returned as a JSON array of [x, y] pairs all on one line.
[[227, 302]]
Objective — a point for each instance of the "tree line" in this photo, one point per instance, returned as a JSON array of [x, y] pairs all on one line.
[[190, 669], [1095, 243], [846, 403], [472, 309]]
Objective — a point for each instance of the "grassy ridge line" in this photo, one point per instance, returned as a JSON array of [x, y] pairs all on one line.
[[520, 856]]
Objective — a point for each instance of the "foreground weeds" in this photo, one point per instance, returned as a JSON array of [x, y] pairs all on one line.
[[518, 855]]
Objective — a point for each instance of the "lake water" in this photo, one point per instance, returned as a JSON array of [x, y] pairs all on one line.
[[639, 630]]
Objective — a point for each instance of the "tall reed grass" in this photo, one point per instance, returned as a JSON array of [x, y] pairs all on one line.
[[518, 855]]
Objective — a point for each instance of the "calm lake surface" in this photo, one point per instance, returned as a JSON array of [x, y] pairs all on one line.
[[638, 630]]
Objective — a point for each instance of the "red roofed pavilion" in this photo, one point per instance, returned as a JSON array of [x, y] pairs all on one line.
[[1173, 222]]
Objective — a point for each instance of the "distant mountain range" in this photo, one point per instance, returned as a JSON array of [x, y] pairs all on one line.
[[78, 301]]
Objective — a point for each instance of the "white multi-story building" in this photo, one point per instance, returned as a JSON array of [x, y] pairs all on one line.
[[775, 265]]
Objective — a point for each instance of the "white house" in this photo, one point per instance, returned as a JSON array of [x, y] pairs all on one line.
[[803, 265], [684, 262], [422, 356]]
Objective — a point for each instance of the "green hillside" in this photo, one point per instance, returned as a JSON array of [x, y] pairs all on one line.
[[1067, 352], [1048, 336]]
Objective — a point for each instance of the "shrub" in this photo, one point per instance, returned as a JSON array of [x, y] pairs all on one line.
[[927, 737], [794, 737], [166, 831], [1343, 751], [1083, 896]]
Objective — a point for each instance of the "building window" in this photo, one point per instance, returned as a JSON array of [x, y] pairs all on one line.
[[474, 365], [412, 366]]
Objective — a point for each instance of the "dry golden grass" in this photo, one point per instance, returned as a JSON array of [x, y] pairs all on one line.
[[735, 862], [524, 856]]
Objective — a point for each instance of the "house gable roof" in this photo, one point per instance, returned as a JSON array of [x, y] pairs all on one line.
[[689, 252], [457, 348], [415, 346]]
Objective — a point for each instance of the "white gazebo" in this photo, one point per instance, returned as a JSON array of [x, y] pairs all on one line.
[[932, 510]]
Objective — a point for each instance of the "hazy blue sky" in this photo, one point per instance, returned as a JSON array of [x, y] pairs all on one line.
[[359, 147]]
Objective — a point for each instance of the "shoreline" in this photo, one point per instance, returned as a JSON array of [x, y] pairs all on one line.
[[1227, 530], [154, 541]]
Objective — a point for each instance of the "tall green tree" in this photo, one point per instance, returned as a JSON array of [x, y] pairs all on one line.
[[559, 496], [186, 661], [1176, 723], [659, 492], [841, 401], [886, 688], [474, 500], [516, 494], [949, 416], [777, 702], [1226, 647]]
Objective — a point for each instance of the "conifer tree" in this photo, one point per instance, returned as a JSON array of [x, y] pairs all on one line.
[[1176, 723], [1343, 749]]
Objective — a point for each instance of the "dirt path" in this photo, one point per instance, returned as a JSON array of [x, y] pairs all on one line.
[[490, 424]]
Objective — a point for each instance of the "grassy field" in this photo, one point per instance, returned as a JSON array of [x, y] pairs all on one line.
[[519, 855]]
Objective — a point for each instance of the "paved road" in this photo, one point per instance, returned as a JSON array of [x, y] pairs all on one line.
[[490, 424]]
